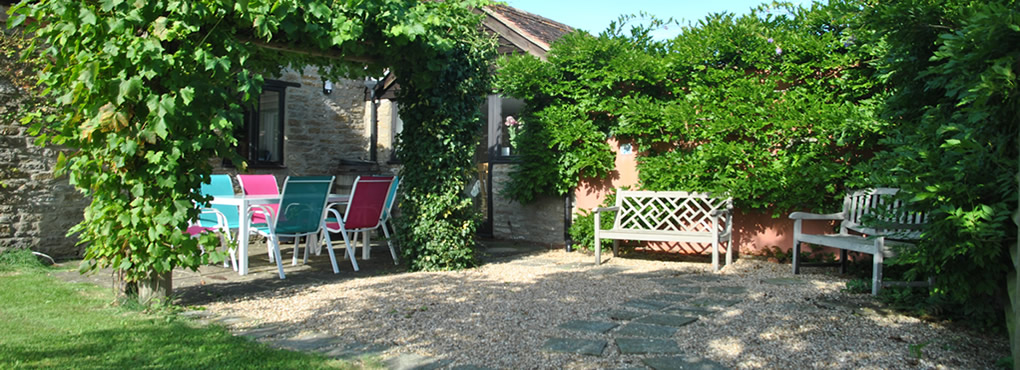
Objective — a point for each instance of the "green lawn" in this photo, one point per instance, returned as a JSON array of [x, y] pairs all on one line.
[[49, 323]]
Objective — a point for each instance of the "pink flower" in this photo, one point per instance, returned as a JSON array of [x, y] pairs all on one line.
[[510, 121]]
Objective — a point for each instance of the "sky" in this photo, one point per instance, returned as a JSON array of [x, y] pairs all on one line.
[[594, 15]]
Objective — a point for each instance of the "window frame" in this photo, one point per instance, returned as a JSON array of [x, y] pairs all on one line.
[[252, 125]]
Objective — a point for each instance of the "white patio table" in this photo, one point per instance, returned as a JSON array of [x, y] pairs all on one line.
[[243, 203]]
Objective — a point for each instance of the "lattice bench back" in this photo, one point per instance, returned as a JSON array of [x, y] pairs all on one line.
[[669, 210], [863, 209]]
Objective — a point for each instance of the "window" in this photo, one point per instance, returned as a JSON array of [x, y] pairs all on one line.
[[260, 141], [495, 112]]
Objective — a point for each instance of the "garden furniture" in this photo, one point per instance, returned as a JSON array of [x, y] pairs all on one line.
[[873, 221], [668, 216]]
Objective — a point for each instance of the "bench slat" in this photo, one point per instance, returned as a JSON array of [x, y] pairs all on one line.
[[669, 216]]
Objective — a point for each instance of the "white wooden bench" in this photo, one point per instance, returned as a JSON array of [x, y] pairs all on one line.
[[668, 216], [861, 210]]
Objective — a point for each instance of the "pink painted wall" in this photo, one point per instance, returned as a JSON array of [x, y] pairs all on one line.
[[753, 231]]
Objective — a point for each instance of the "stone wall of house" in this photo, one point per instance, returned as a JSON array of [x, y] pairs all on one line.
[[36, 209], [325, 134], [538, 222]]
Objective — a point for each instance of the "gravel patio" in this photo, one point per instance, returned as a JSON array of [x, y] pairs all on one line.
[[531, 307]]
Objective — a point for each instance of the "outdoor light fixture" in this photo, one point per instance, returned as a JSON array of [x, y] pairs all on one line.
[[327, 87]]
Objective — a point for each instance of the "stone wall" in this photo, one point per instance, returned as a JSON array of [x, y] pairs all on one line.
[[36, 209], [321, 131], [538, 222]]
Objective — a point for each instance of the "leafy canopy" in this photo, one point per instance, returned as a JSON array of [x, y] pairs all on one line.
[[774, 107], [146, 92]]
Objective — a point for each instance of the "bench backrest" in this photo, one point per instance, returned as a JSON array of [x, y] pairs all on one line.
[[877, 212], [670, 210]]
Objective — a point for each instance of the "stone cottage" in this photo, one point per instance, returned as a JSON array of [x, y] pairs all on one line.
[[300, 126]]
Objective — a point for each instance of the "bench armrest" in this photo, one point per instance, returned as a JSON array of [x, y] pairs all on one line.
[[719, 212], [607, 209], [815, 216]]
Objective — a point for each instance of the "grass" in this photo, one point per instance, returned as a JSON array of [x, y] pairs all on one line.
[[47, 323]]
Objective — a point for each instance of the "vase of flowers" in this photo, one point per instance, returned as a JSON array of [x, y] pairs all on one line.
[[513, 130]]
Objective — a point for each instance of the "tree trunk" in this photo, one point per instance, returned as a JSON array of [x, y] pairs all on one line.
[[156, 288]]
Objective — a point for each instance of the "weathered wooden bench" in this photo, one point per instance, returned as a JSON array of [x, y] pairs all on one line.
[[668, 216], [871, 222]]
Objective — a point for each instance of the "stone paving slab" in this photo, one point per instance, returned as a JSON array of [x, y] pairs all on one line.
[[572, 266], [685, 289], [591, 347], [634, 346], [307, 341], [682, 363], [734, 290], [635, 329], [696, 311], [407, 361], [261, 332], [675, 321], [228, 320], [357, 350], [669, 297], [706, 278], [785, 281], [196, 314], [621, 315], [589, 326], [537, 262], [644, 304], [610, 270], [677, 282], [714, 302]]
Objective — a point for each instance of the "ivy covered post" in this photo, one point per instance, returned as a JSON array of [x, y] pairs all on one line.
[[149, 92], [441, 115]]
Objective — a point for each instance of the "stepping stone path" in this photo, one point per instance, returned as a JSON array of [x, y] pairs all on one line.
[[646, 326]]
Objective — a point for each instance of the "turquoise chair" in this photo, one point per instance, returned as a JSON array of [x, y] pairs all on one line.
[[219, 216], [300, 213]]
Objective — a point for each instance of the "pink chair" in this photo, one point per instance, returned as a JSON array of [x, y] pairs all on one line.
[[364, 209], [259, 185]]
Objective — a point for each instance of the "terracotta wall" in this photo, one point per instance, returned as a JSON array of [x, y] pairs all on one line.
[[753, 231]]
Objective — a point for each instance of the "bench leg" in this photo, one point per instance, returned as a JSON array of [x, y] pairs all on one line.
[[616, 248], [729, 247], [715, 255], [796, 247], [598, 240], [842, 261], [876, 266]]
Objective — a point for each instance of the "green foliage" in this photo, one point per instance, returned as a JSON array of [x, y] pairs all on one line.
[[956, 103], [18, 259], [145, 91], [52, 324], [437, 222], [774, 107], [582, 229], [858, 286]]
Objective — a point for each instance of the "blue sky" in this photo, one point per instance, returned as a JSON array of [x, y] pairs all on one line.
[[594, 15]]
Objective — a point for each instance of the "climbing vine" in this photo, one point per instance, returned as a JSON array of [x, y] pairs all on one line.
[[146, 91], [956, 105], [774, 107]]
